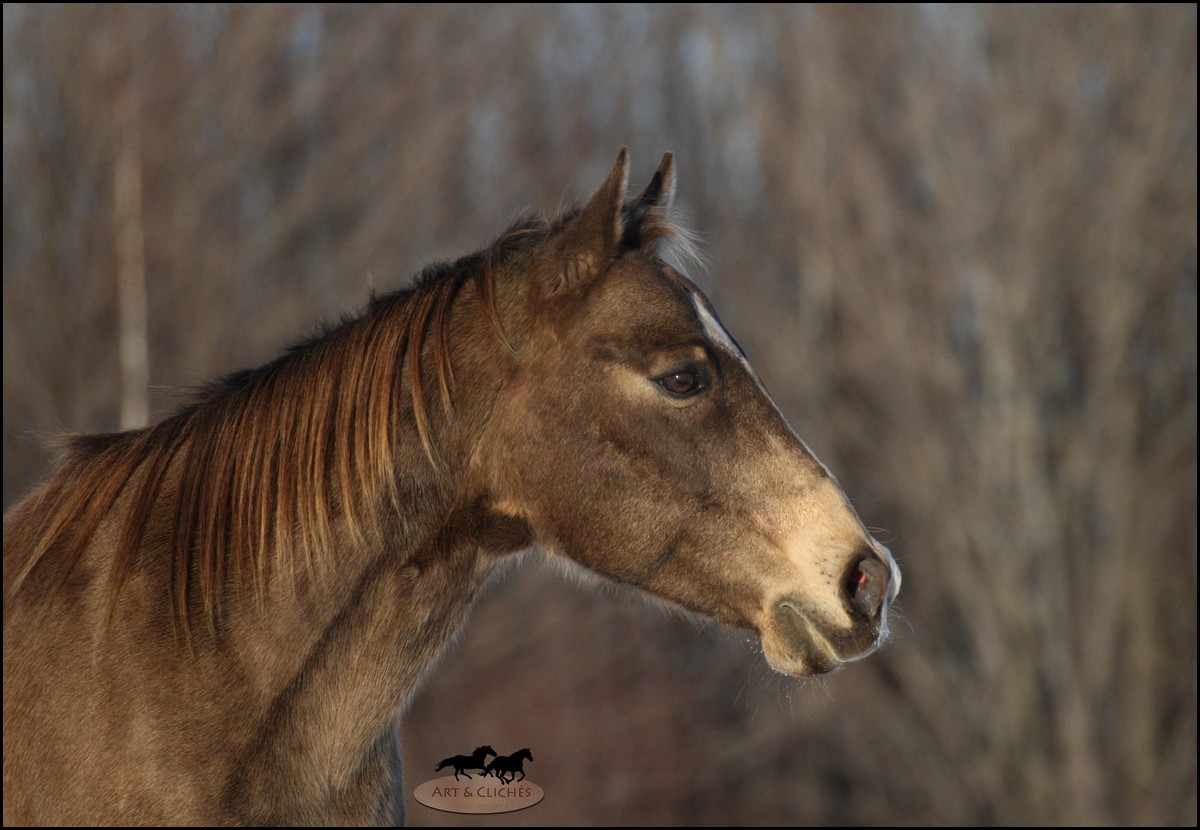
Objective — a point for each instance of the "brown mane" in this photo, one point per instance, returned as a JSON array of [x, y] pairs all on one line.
[[294, 443]]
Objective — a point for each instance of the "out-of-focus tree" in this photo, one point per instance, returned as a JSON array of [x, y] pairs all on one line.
[[958, 242]]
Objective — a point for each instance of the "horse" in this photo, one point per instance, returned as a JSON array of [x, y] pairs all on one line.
[[511, 764], [462, 763], [220, 618]]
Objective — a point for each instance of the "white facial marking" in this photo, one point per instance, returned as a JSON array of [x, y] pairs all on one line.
[[720, 338]]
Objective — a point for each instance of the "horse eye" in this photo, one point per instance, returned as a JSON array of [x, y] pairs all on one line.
[[681, 383]]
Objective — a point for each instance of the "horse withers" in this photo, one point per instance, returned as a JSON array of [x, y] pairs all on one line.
[[219, 618]]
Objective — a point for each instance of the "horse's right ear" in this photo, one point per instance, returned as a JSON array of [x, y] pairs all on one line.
[[590, 241], [659, 194], [646, 217]]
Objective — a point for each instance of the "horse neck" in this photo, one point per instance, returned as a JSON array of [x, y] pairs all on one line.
[[292, 693], [333, 700], [338, 653]]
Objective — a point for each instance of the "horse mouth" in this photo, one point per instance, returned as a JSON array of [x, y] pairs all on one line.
[[796, 644]]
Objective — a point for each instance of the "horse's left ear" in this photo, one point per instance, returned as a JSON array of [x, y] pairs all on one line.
[[592, 239]]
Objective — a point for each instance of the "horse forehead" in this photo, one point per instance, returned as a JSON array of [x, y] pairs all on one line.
[[639, 306], [639, 283], [652, 301]]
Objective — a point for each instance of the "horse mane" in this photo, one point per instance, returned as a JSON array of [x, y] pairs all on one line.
[[266, 458]]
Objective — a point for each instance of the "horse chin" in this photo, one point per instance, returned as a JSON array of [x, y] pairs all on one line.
[[794, 646], [807, 663]]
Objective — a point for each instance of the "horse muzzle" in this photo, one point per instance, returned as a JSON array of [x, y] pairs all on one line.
[[800, 641]]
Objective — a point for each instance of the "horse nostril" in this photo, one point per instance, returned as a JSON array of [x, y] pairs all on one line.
[[866, 586]]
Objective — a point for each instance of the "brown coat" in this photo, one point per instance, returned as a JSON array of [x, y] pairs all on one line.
[[219, 619]]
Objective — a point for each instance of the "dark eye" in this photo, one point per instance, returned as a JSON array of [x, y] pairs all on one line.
[[681, 384]]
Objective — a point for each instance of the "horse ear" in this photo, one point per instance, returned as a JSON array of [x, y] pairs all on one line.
[[591, 240], [659, 194], [647, 217]]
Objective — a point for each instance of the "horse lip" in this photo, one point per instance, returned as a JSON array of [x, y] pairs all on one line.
[[820, 657], [841, 647]]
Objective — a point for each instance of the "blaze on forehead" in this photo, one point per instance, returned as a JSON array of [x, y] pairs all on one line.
[[702, 309]]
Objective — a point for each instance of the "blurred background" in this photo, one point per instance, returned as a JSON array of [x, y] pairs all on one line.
[[957, 242]]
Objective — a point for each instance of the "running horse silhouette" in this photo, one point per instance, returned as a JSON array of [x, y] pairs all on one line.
[[462, 763], [218, 619], [512, 764]]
